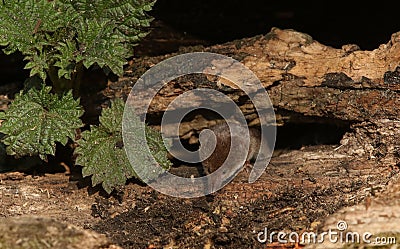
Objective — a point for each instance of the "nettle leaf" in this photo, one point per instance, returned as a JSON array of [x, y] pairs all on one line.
[[37, 119], [37, 64], [110, 29], [65, 33], [128, 16], [101, 153], [24, 25], [65, 61], [101, 45], [157, 148], [103, 158]]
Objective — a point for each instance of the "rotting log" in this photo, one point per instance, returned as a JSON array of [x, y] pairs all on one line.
[[307, 82], [302, 77]]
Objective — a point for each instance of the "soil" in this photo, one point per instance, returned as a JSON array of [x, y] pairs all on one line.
[[288, 197]]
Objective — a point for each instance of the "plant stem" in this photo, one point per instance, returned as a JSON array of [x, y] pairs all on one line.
[[61, 85]]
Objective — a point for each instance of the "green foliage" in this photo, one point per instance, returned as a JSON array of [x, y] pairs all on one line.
[[59, 39], [101, 151], [37, 119], [66, 33]]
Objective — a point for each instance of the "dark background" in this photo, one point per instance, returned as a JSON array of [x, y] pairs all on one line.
[[334, 23]]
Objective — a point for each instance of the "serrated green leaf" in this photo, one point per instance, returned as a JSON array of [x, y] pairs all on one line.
[[111, 118], [103, 159], [37, 119], [156, 145], [129, 16], [65, 33], [65, 58], [37, 64], [100, 151], [23, 25], [101, 45]]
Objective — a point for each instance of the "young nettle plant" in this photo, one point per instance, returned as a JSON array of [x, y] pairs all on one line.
[[101, 150], [60, 39]]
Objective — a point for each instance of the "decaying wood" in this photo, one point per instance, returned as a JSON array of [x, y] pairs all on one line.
[[379, 217], [40, 232], [303, 78]]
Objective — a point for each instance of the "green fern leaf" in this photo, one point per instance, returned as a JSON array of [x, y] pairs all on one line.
[[101, 151], [37, 119]]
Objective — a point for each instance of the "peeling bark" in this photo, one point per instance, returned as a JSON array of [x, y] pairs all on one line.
[[302, 77]]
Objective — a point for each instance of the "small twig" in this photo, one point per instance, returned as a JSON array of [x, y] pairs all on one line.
[[280, 211], [38, 23]]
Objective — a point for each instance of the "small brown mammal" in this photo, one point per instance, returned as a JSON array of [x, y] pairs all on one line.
[[223, 144]]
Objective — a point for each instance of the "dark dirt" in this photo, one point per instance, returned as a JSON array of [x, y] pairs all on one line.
[[196, 223]]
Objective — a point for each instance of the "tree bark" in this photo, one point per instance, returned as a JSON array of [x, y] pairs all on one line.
[[302, 77]]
